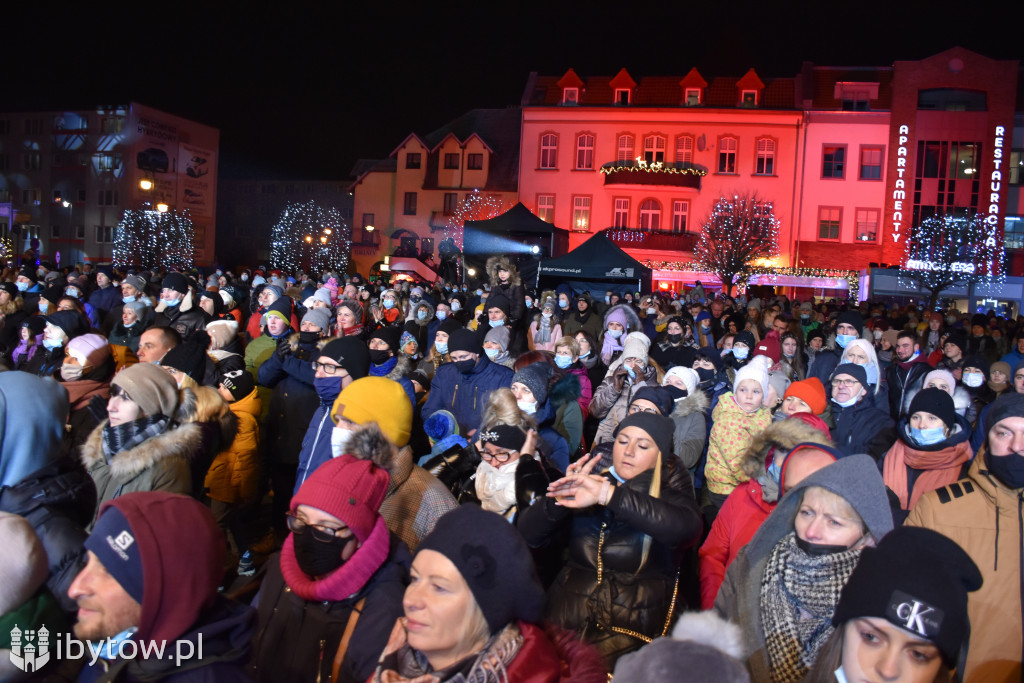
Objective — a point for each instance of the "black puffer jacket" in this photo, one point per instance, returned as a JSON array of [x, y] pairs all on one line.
[[58, 500], [862, 428], [620, 582]]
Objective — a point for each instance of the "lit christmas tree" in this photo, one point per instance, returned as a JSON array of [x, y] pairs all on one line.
[[6, 249], [738, 231], [947, 251], [475, 207], [149, 239], [308, 235]]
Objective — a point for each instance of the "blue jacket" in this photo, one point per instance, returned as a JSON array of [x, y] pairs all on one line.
[[545, 418], [465, 396], [1013, 359], [316, 446], [863, 428], [824, 364], [291, 405], [105, 299]]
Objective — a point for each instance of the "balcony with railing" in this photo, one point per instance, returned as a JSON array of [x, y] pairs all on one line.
[[631, 238], [640, 171]]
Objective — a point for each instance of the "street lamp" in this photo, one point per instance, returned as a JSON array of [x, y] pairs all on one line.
[[162, 208], [368, 228], [146, 184]]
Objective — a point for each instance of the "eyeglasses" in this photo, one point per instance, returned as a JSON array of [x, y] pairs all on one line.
[[500, 456], [844, 382], [640, 409], [117, 392], [321, 532], [328, 368]]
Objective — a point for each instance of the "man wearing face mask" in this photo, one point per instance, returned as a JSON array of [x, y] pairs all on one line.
[[462, 386], [177, 308], [60, 328], [860, 426], [848, 327], [386, 359], [29, 288], [106, 295], [984, 515], [133, 289], [331, 597]]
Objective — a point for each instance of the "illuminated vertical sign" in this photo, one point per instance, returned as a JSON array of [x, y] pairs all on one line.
[[899, 190], [996, 181]]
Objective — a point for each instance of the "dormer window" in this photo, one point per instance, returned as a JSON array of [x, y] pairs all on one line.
[[570, 96], [692, 97], [856, 95], [748, 98], [622, 96]]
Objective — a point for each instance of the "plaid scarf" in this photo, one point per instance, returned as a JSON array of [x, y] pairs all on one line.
[[130, 434], [401, 664], [799, 594]]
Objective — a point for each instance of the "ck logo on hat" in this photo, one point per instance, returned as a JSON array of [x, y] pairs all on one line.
[[124, 540], [914, 615]]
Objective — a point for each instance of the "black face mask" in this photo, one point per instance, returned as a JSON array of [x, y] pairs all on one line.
[[675, 392], [465, 366], [818, 549], [675, 338], [1008, 469], [379, 356], [317, 558], [309, 337], [705, 374]]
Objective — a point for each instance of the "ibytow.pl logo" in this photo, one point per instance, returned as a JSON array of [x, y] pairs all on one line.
[[31, 649]]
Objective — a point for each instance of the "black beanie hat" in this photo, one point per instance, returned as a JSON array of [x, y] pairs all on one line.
[[853, 370], [979, 319], [218, 303], [30, 274], [238, 382], [350, 353], [851, 318], [494, 561], [976, 360], [958, 338], [71, 322], [10, 288], [1010, 404], [659, 396], [745, 337], [937, 402], [464, 340], [35, 324], [390, 335], [918, 580], [175, 281], [498, 300], [535, 377], [448, 325], [816, 332], [660, 428], [283, 307], [53, 295], [190, 357]]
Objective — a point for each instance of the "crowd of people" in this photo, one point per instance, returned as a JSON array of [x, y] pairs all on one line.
[[312, 476]]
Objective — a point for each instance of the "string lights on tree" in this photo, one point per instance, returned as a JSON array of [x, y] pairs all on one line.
[[738, 231], [309, 235], [475, 207], [149, 239], [947, 251], [6, 249], [852, 277]]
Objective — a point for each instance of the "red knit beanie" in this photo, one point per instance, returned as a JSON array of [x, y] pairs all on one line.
[[348, 488], [811, 391], [769, 346]]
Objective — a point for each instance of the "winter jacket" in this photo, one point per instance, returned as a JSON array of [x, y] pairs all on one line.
[[512, 289], [293, 400], [257, 352], [733, 431], [586, 388], [611, 400], [825, 361], [621, 571], [903, 379], [316, 443], [689, 415], [233, 476], [457, 470], [104, 299], [549, 654], [415, 499], [45, 363], [298, 638], [420, 328], [186, 317], [589, 321], [160, 463], [985, 518], [465, 396], [862, 428], [668, 355]]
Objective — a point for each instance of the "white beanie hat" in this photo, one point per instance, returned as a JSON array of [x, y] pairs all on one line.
[[636, 345], [689, 376], [754, 371]]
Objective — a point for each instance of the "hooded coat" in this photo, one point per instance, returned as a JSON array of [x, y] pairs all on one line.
[[611, 400], [186, 317], [689, 415], [465, 396], [233, 477], [512, 290], [633, 324], [856, 480], [733, 431], [292, 401]]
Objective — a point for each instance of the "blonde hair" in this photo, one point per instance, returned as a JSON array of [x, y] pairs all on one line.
[[569, 341], [869, 350], [502, 409]]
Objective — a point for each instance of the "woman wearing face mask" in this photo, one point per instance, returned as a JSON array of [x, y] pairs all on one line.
[[31, 343], [710, 370], [567, 360], [496, 346], [974, 382], [331, 596], [387, 311], [783, 587], [590, 358], [689, 409], [437, 354], [530, 385], [619, 321], [86, 373], [793, 355], [136, 318], [743, 345], [933, 450], [943, 379], [546, 328], [12, 315], [626, 376], [861, 352], [61, 327], [676, 346], [420, 317]]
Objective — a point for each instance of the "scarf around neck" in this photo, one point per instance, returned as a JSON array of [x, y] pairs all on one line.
[[937, 469], [799, 594], [346, 580], [384, 368], [400, 663], [126, 436], [496, 488]]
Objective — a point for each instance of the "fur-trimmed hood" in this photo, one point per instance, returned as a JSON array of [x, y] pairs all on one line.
[[293, 342], [187, 304], [496, 263], [177, 442], [413, 307], [784, 434], [402, 368], [631, 317], [697, 402]]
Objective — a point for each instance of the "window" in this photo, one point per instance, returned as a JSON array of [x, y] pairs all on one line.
[[475, 162], [409, 205], [870, 163], [367, 219], [548, 150], [111, 124], [622, 96], [684, 149], [451, 200], [692, 97], [108, 162], [107, 198], [33, 126], [54, 232], [748, 98], [964, 160], [57, 196], [828, 222], [727, 155], [625, 148], [680, 211], [867, 225], [104, 234], [620, 215], [31, 197], [856, 100], [31, 161], [584, 152], [833, 161], [1013, 232], [765, 157], [581, 213], [79, 232], [1016, 166], [546, 207], [650, 215], [654, 148], [570, 95], [413, 160], [451, 160]]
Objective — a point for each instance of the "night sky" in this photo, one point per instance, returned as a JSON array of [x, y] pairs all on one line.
[[302, 91]]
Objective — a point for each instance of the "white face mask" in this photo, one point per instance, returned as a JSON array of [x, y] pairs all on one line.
[[339, 439], [528, 407], [974, 379]]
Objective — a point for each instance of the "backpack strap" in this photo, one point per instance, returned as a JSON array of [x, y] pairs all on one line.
[[350, 628]]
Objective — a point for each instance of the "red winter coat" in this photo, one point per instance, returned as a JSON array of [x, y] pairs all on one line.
[[740, 517], [554, 655]]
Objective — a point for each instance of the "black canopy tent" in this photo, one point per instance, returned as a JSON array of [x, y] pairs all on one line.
[[597, 265], [515, 233]]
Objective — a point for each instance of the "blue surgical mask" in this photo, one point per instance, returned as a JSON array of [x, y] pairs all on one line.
[[22, 286], [805, 316], [422, 315], [442, 347], [43, 306], [528, 407], [740, 353], [388, 303], [173, 303], [441, 315], [927, 437], [71, 291], [456, 306], [128, 299], [563, 305], [584, 354], [844, 339], [614, 334], [109, 648], [631, 371], [327, 388], [529, 303], [52, 344], [847, 404], [563, 361], [497, 323], [492, 353], [479, 292]]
